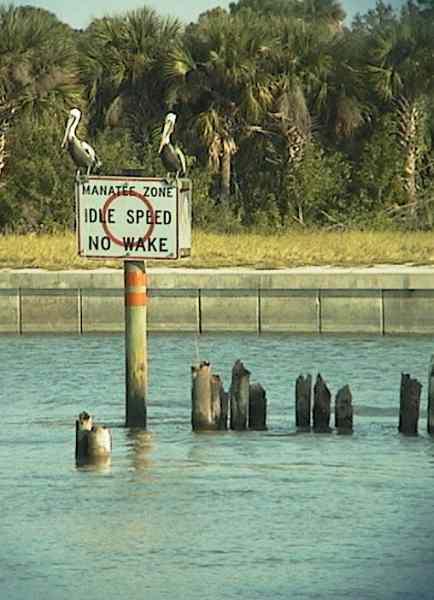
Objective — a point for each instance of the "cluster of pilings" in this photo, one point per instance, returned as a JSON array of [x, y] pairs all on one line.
[[243, 407], [313, 411], [318, 416]]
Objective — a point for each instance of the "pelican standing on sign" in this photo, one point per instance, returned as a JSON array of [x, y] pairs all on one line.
[[172, 157], [81, 152]]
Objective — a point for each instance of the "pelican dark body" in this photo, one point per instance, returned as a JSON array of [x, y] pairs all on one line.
[[171, 161], [81, 152], [172, 157]]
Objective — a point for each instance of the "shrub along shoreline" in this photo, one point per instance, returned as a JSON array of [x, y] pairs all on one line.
[[58, 251], [288, 115]]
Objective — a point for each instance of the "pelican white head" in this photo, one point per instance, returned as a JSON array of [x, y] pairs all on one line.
[[169, 126], [71, 125], [75, 113]]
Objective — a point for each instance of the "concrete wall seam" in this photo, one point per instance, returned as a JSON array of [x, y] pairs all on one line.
[[212, 309]]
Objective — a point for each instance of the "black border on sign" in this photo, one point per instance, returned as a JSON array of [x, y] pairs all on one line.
[[122, 256]]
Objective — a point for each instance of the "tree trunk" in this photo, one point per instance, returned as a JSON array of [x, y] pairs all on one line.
[[410, 178], [409, 126], [229, 148], [2, 152], [296, 144], [6, 114]]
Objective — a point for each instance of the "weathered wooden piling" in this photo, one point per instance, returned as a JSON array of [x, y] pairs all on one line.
[[321, 406], [92, 443], [344, 410], [201, 397], [208, 406], [220, 402], [430, 413], [409, 404], [303, 402], [82, 427], [136, 357], [257, 407], [99, 442], [239, 397]]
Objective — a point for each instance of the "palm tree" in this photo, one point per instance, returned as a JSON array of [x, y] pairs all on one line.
[[219, 81], [280, 8], [375, 19], [318, 72], [426, 5], [37, 62], [121, 68], [402, 76], [317, 91], [38, 76], [326, 12]]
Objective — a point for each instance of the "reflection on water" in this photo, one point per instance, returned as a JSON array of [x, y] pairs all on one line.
[[101, 464], [243, 516], [139, 449]]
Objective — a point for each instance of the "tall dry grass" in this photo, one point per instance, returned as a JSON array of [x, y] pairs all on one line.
[[58, 251]]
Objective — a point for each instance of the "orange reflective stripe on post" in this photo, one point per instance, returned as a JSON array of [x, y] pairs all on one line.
[[137, 298], [136, 288], [137, 279]]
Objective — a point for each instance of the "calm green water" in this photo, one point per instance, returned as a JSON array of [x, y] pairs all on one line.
[[180, 515]]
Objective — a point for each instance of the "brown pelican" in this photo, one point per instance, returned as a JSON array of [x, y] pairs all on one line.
[[172, 157], [81, 152]]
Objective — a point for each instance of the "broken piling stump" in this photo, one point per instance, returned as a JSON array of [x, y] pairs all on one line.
[[321, 406], [239, 397], [83, 425], [220, 402], [257, 407], [409, 404], [430, 414], [93, 443], [202, 398], [303, 402], [208, 401], [344, 410]]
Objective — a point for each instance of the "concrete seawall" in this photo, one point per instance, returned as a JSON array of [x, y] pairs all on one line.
[[380, 300]]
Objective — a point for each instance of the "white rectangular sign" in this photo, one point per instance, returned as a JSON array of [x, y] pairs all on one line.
[[129, 217]]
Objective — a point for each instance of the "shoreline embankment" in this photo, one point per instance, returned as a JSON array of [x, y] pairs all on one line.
[[379, 300]]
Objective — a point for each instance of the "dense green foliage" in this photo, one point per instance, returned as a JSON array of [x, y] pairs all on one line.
[[287, 116]]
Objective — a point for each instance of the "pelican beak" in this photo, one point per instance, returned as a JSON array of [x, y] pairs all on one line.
[[68, 127], [165, 136]]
